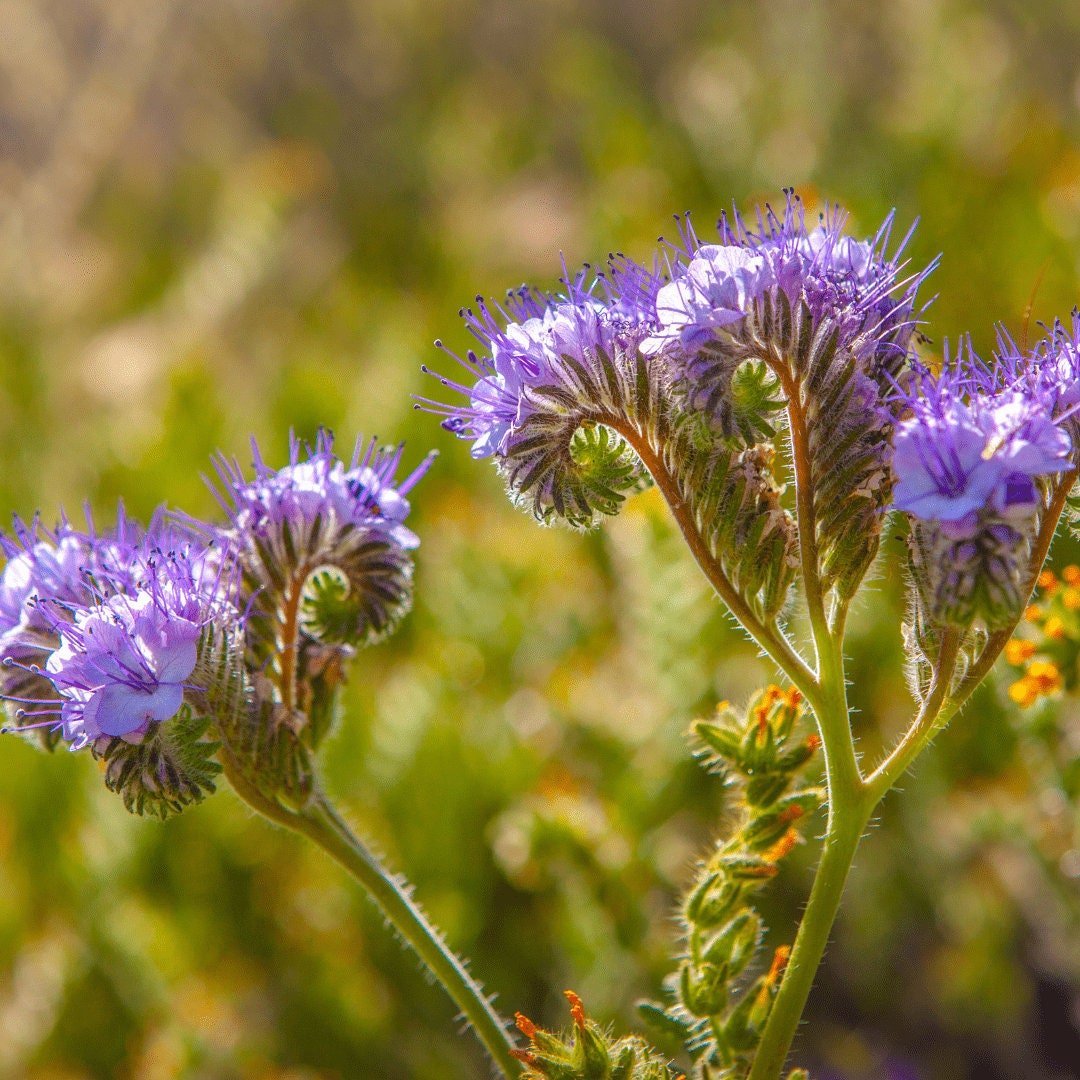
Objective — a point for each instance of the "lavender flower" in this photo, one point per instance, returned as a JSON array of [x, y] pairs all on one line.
[[55, 564], [958, 458], [533, 342], [324, 557], [559, 386], [48, 574], [317, 488], [852, 283], [715, 288], [124, 655], [972, 459]]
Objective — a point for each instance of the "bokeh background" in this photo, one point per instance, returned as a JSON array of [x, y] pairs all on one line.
[[237, 218]]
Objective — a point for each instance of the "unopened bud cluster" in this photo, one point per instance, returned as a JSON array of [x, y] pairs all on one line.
[[720, 1006], [587, 1052]]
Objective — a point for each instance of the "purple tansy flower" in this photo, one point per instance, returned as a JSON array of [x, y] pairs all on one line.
[[322, 545], [124, 665], [317, 486], [48, 573], [57, 564], [955, 457], [972, 458], [534, 341], [714, 288], [855, 283], [559, 385], [124, 657]]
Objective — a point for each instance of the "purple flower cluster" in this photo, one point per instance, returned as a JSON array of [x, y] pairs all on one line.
[[977, 440], [672, 311], [101, 632], [854, 283], [58, 565], [124, 665], [317, 486], [116, 617], [534, 340]]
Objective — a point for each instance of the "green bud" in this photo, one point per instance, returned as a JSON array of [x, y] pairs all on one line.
[[625, 1062], [741, 1032], [764, 830], [666, 1024], [703, 988], [736, 944], [746, 867], [765, 789], [712, 900], [758, 750], [799, 756], [591, 1054], [721, 741], [553, 1068]]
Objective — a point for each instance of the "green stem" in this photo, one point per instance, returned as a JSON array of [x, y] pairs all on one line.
[[766, 634], [849, 811], [841, 841], [321, 823], [929, 721]]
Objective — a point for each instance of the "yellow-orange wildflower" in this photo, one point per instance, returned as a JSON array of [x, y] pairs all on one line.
[[1018, 651]]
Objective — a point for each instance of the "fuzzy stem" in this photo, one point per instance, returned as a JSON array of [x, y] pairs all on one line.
[[849, 810], [927, 722], [849, 806], [769, 637], [290, 639], [846, 823], [321, 823]]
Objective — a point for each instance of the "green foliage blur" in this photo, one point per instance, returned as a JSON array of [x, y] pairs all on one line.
[[250, 216]]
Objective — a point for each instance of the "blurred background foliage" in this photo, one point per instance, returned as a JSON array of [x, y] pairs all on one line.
[[243, 217]]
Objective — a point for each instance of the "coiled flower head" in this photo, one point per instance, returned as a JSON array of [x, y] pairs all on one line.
[[746, 296], [559, 382], [325, 562]]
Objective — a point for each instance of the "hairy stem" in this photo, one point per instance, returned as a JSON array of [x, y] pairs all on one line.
[[941, 705], [769, 637], [846, 824], [289, 621], [849, 810], [927, 721], [849, 807], [806, 513], [321, 823]]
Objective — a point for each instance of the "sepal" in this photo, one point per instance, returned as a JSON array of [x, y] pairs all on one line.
[[173, 767], [978, 578]]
